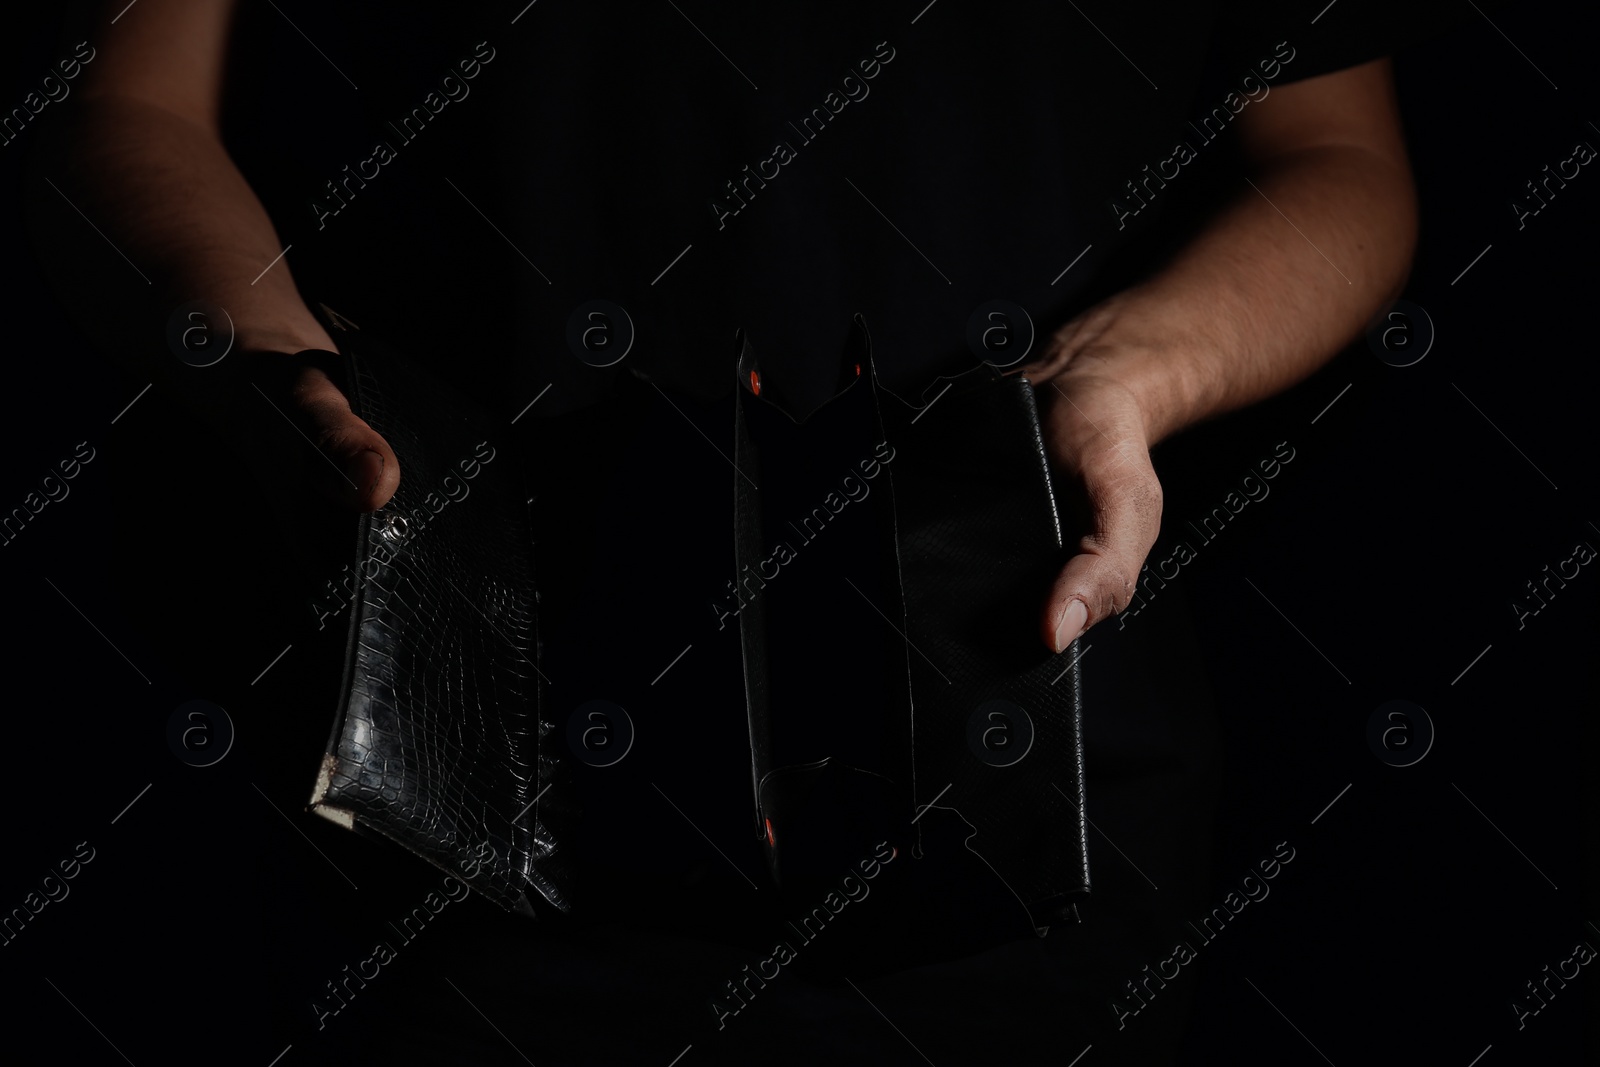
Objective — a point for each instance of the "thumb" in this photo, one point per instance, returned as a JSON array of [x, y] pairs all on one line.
[[356, 466], [1125, 505]]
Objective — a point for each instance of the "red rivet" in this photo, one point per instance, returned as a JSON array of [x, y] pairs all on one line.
[[858, 370], [755, 387]]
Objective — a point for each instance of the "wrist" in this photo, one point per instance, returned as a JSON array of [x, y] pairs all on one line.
[[1167, 357]]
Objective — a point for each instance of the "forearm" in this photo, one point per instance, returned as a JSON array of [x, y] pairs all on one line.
[[1288, 274], [162, 190]]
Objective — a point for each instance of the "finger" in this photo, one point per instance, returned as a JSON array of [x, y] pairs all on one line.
[[358, 467], [1100, 581]]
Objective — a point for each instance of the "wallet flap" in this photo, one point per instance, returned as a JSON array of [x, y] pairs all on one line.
[[978, 717], [440, 741], [998, 718]]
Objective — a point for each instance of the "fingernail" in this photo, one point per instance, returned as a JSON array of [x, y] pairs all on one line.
[[1071, 624]]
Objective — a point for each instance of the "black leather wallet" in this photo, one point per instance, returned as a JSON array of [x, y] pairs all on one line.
[[440, 741], [984, 723]]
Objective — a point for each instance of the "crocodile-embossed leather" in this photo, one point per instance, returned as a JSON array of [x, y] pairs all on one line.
[[975, 544], [439, 742]]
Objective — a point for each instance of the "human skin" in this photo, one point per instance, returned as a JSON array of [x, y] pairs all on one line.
[[1277, 282], [138, 150], [1280, 280]]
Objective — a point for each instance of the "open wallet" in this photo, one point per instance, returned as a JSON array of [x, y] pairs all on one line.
[[890, 560], [974, 734]]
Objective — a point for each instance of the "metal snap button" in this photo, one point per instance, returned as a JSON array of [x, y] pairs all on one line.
[[395, 528]]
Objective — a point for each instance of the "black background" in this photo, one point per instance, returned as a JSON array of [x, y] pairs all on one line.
[[1396, 541]]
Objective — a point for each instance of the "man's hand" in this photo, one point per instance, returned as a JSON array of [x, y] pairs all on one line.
[[1099, 432], [1095, 432], [296, 430], [138, 148], [1282, 279]]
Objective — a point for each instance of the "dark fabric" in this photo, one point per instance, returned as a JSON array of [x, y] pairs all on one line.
[[601, 141]]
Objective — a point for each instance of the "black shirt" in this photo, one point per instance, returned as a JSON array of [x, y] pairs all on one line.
[[712, 166]]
